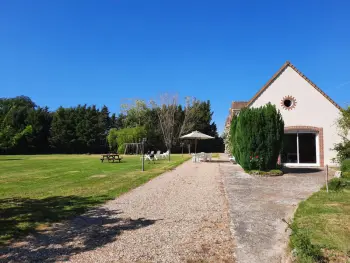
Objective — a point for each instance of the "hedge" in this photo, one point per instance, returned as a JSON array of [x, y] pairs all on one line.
[[256, 137]]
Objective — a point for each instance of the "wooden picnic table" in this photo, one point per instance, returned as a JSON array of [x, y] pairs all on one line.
[[111, 157]]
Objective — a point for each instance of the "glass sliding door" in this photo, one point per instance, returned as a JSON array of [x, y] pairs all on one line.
[[307, 148], [299, 148]]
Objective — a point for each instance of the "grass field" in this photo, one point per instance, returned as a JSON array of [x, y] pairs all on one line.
[[40, 189], [325, 219]]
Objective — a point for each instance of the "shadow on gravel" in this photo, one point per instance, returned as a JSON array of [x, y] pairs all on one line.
[[59, 241], [219, 161], [289, 170]]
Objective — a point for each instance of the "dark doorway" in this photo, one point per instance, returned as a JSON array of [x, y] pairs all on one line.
[[290, 150], [307, 148]]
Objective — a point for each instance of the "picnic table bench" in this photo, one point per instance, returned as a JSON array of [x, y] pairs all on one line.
[[111, 157]]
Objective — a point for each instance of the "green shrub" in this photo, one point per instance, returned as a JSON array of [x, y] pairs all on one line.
[[306, 251], [345, 175], [256, 137], [343, 147], [233, 149], [274, 172], [343, 150], [253, 172], [112, 140], [345, 166], [337, 184]]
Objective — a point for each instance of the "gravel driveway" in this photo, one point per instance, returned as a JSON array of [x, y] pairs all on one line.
[[180, 216], [257, 205]]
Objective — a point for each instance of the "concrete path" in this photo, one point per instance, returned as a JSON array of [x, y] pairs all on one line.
[[180, 216], [257, 205]]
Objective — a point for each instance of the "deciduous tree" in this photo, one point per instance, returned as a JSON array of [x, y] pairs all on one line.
[[343, 147], [173, 125]]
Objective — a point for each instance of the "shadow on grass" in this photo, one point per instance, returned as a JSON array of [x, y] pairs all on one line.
[[11, 159], [290, 170], [59, 241], [19, 216]]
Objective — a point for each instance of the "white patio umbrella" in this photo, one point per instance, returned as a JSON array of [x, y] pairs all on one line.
[[196, 135]]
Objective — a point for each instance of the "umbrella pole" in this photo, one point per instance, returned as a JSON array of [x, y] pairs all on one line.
[[195, 146]]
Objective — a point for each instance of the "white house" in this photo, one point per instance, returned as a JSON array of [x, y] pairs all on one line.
[[308, 113]]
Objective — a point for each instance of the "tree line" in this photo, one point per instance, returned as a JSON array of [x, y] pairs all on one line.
[[26, 128]]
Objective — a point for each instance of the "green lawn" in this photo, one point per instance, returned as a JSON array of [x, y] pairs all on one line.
[[325, 219], [39, 189]]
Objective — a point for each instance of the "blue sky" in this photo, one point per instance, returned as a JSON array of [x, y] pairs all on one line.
[[63, 52]]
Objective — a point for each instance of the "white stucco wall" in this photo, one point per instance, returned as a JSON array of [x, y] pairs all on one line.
[[312, 108]]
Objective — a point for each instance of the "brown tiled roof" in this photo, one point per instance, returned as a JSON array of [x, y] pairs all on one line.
[[274, 77], [237, 105]]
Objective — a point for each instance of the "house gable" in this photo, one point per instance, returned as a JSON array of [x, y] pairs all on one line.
[[277, 75], [310, 106]]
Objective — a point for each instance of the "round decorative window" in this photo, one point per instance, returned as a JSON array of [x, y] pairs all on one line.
[[288, 103]]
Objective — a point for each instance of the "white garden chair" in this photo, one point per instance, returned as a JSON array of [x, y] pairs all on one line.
[[203, 157], [209, 156], [232, 159], [147, 157], [194, 157], [158, 156], [166, 154]]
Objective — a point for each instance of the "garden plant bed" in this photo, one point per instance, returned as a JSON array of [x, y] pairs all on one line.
[[265, 173]]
